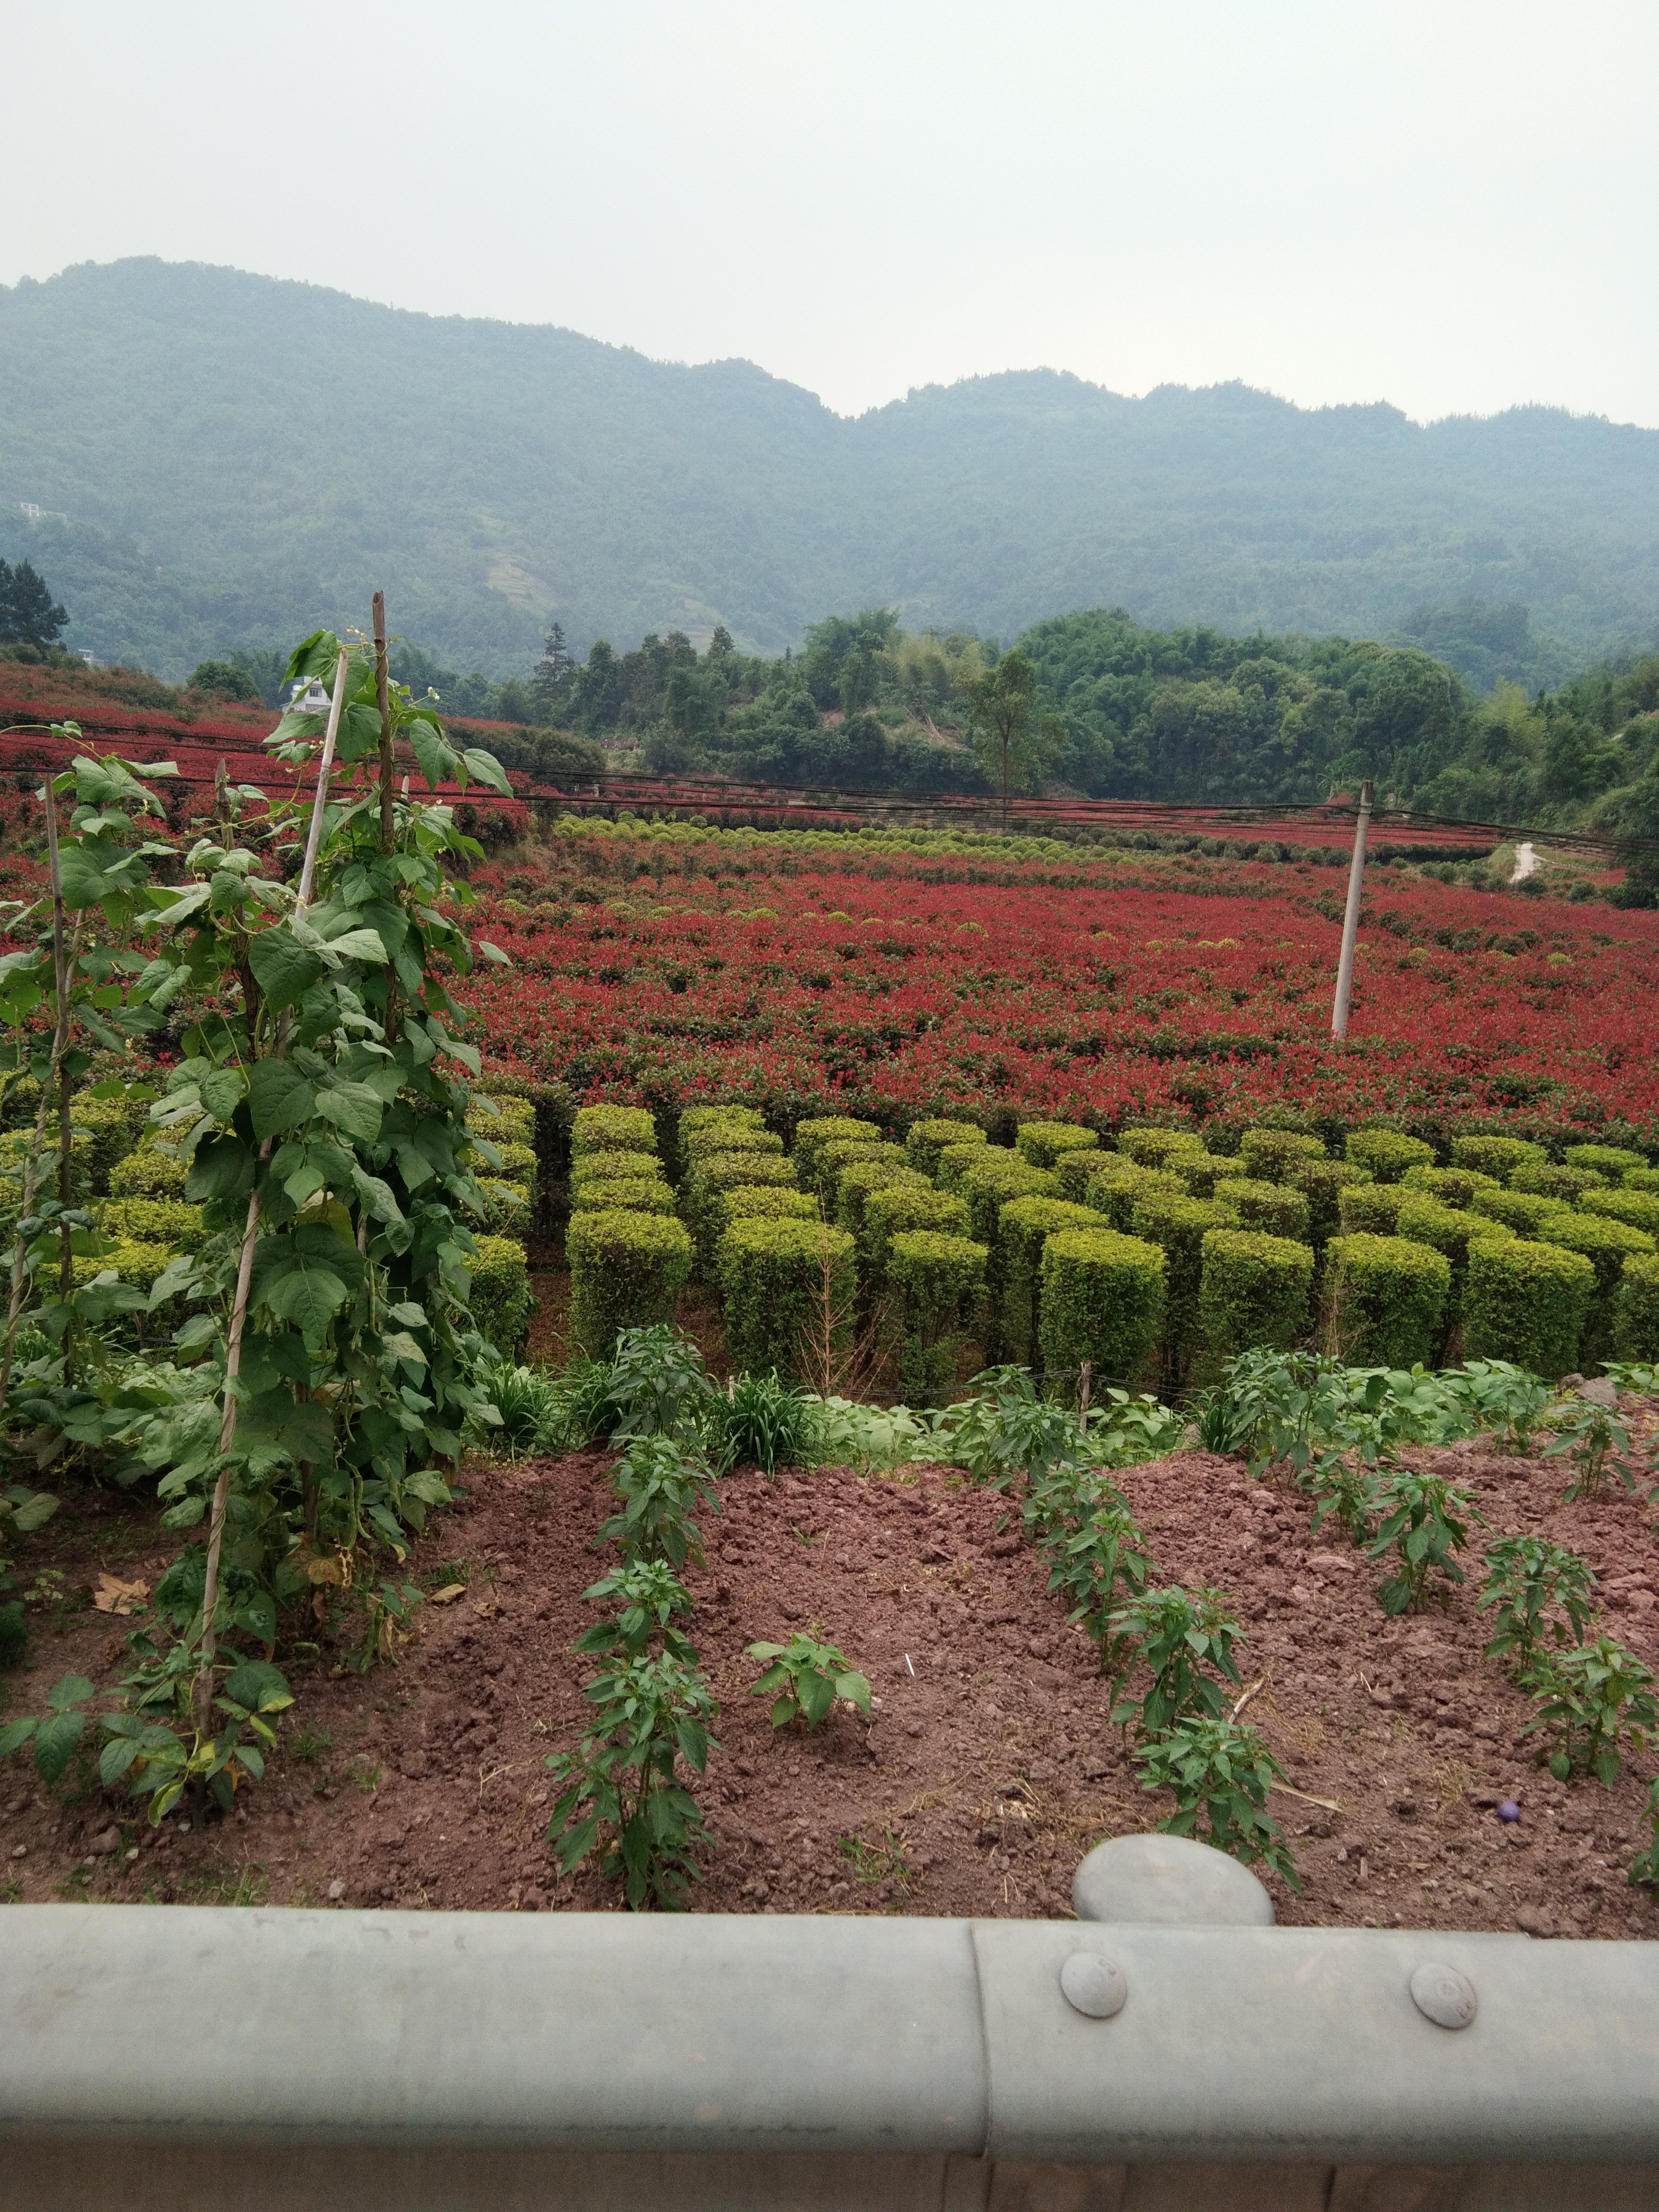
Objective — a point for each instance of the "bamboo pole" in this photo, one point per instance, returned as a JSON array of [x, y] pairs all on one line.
[[245, 1267], [1351, 918], [60, 979], [383, 700]]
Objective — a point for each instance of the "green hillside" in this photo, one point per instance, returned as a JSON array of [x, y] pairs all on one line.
[[239, 459]]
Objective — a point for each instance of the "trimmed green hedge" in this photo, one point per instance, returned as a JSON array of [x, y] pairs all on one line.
[[1021, 1228], [166, 1221], [820, 1129], [614, 1167], [1607, 1244], [1640, 1207], [748, 1201], [1102, 1301], [1274, 1155], [147, 1172], [110, 1128], [1177, 1222], [1150, 1148], [1528, 1303], [625, 1194], [1253, 1290], [694, 1118], [1386, 1299], [991, 1182], [955, 1160], [858, 1178], [511, 1122], [1386, 1152], [1322, 1182], [1635, 1309], [709, 1173], [730, 1137], [832, 1159], [499, 1303], [1521, 1211], [1200, 1172], [1115, 1190], [925, 1140], [895, 1208], [1641, 1179], [1613, 1161], [1275, 1208], [1568, 1184], [611, 1129], [627, 1271], [1046, 1143], [504, 1207], [940, 1281], [1496, 1155], [787, 1288], [1451, 1186], [1371, 1209], [13, 1166]]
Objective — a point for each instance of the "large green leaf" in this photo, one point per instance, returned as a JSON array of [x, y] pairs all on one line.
[[222, 1091], [354, 1108], [222, 1169], [359, 944], [280, 1097], [309, 1298], [437, 757], [283, 969], [55, 1743], [488, 769]]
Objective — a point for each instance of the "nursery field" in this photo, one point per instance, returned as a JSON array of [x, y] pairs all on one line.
[[901, 977]]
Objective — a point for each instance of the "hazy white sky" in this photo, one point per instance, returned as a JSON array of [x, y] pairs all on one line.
[[1446, 203]]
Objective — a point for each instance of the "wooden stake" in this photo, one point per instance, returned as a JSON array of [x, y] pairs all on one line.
[[1351, 918], [1083, 1392], [60, 1042], [245, 1268], [383, 699]]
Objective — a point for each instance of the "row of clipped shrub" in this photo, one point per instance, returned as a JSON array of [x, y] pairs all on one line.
[[1149, 1257], [137, 1190]]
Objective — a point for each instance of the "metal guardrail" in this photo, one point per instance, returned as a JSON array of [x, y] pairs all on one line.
[[432, 2062]]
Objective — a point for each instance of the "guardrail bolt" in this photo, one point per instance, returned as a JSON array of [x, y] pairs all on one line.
[[1093, 1985], [1445, 1997]]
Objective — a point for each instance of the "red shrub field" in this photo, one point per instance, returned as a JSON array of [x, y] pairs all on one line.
[[677, 964]]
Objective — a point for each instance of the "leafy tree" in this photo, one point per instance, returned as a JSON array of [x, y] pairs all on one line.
[[28, 614], [1013, 740], [223, 680]]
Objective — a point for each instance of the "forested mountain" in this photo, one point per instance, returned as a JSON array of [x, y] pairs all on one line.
[[223, 462]]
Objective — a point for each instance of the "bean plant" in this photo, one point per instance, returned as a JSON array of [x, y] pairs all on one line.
[[1220, 1771], [807, 1676], [1593, 1699], [1544, 1596]]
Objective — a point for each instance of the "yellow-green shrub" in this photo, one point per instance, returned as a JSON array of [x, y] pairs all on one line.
[[627, 1271], [1635, 1309], [1274, 1155], [1385, 1299], [1322, 1182], [731, 1137], [147, 1172], [1607, 1244], [1371, 1209], [1613, 1161], [858, 1178], [1045, 1143], [925, 1140], [758, 1202], [840, 1153], [1116, 1190], [1496, 1155], [1451, 1186], [1200, 1172], [789, 1290], [1275, 1208], [612, 1129], [111, 1128], [891, 1208], [1386, 1152], [1253, 1291], [500, 1302], [1102, 1301], [1527, 1302], [1567, 1184], [1177, 1223], [166, 1222], [1150, 1148], [991, 1181], [1519, 1210], [820, 1129], [511, 1122], [940, 1282], [613, 1167], [1023, 1226], [1640, 1207], [625, 1194]]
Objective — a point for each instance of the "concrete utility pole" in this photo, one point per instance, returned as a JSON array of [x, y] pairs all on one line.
[[1350, 919]]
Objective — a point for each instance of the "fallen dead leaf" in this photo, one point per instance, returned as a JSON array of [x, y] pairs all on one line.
[[448, 1594], [114, 1595]]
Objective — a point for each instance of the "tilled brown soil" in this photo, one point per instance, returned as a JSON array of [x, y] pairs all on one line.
[[988, 1767]]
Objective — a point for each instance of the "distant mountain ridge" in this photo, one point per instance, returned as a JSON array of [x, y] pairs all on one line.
[[241, 458]]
